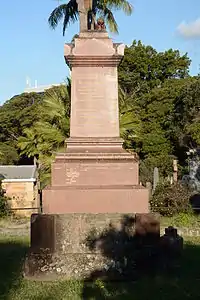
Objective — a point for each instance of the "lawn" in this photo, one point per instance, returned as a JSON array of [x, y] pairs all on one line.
[[181, 282]]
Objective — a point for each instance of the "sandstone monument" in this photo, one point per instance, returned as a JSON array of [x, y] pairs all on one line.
[[95, 174], [95, 182]]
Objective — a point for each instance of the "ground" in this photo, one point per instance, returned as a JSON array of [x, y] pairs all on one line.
[[182, 282]]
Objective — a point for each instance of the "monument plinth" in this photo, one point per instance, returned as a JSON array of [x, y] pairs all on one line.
[[95, 174]]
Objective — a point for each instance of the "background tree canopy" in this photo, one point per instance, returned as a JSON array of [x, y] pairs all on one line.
[[159, 114]]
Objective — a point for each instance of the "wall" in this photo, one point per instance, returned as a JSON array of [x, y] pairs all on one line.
[[23, 195]]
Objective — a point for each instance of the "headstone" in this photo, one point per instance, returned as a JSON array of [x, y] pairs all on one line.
[[155, 178], [171, 242], [175, 170]]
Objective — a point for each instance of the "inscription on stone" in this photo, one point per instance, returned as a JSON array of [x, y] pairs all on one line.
[[71, 175], [95, 102]]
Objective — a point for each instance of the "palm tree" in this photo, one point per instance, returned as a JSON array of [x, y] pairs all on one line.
[[130, 123], [101, 8], [28, 143], [48, 135]]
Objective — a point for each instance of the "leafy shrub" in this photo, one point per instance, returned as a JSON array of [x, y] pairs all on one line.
[[4, 207], [170, 200]]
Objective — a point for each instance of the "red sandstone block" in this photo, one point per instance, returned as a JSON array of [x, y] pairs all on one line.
[[95, 173], [125, 199]]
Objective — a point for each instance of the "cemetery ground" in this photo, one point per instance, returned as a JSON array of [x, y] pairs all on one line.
[[181, 281]]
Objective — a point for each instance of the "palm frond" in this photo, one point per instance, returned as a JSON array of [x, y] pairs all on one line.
[[56, 104], [118, 5], [49, 134], [109, 18], [28, 143], [71, 14], [56, 15], [68, 12]]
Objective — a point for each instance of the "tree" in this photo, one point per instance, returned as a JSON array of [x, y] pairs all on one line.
[[17, 113], [143, 68], [8, 154], [186, 113], [153, 82], [48, 135], [130, 122], [103, 8]]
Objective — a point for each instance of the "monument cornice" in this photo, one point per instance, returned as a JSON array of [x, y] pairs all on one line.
[[93, 61], [101, 157]]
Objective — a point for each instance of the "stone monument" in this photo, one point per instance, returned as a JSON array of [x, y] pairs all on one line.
[[95, 182], [95, 174]]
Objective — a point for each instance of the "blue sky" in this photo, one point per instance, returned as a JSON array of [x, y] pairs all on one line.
[[30, 48]]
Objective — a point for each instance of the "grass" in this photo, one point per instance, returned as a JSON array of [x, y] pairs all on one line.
[[182, 220], [182, 282], [13, 221]]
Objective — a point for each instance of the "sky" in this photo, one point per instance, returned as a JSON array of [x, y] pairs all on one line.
[[28, 47]]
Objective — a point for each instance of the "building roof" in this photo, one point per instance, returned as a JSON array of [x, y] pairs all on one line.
[[18, 173]]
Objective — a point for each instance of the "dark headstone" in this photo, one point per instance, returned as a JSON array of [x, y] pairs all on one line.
[[171, 243], [42, 233]]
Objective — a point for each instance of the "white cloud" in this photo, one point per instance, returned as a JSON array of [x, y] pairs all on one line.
[[189, 30]]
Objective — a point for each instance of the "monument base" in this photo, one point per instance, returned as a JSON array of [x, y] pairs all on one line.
[[89, 246], [95, 176], [99, 199]]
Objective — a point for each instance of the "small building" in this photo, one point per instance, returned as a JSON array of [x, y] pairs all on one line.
[[21, 186]]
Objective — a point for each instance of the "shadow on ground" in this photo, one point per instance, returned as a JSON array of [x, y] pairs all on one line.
[[147, 274], [145, 265], [12, 256]]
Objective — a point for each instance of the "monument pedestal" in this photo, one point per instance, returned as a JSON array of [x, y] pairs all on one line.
[[101, 179]]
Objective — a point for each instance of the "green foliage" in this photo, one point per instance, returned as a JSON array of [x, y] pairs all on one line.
[[18, 113], [188, 220], [151, 93], [143, 68], [47, 135], [4, 207], [170, 200], [8, 154], [184, 219]]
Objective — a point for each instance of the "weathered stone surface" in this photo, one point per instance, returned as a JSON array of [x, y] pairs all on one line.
[[85, 246], [24, 198], [99, 199]]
